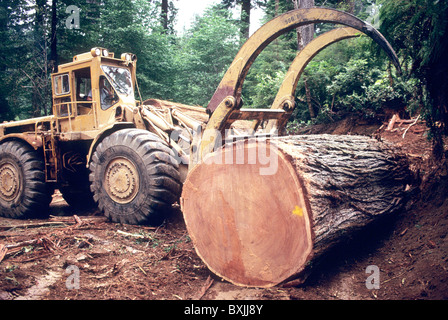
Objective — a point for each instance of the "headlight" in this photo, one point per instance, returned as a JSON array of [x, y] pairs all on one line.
[[128, 57], [95, 52], [98, 52]]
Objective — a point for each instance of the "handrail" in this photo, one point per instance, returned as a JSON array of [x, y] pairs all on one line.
[[70, 111]]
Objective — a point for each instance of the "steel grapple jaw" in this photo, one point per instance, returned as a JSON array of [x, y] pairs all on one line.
[[223, 114]]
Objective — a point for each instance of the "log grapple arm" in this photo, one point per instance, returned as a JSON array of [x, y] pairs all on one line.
[[225, 106]]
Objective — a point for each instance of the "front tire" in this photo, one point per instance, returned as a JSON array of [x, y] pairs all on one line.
[[24, 193], [134, 177]]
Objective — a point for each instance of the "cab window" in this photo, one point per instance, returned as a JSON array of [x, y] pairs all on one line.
[[61, 85], [120, 79], [108, 96], [83, 84]]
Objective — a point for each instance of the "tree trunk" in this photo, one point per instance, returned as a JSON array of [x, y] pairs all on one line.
[[245, 18], [38, 92], [259, 211], [54, 38], [437, 84], [308, 98], [164, 15], [305, 35]]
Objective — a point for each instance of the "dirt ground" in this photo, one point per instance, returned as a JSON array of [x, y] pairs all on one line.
[[81, 256]]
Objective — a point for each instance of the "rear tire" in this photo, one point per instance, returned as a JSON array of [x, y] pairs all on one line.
[[23, 191], [134, 177]]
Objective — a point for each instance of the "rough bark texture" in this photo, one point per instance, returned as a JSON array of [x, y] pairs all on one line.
[[255, 226], [350, 180]]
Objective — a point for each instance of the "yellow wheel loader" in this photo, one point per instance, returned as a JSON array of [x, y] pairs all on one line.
[[99, 146], [130, 157]]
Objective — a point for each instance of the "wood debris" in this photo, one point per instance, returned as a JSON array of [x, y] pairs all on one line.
[[48, 237], [396, 122], [412, 124], [208, 283], [3, 251]]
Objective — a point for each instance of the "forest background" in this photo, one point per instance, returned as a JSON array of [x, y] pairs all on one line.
[[349, 78]]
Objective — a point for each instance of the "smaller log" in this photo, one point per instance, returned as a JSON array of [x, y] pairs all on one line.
[[392, 121]]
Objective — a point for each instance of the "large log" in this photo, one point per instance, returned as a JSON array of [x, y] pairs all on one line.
[[257, 217]]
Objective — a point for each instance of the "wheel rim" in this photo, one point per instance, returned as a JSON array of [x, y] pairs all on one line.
[[9, 181], [121, 180]]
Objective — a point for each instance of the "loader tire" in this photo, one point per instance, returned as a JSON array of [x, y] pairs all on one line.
[[134, 177], [24, 193]]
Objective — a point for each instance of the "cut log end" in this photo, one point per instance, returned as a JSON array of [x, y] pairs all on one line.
[[257, 212], [250, 229]]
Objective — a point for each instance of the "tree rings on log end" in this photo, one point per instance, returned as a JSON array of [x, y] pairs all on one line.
[[247, 214]]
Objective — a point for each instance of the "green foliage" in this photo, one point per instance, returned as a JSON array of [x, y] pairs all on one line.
[[23, 60], [415, 28], [348, 77], [262, 86], [246, 8], [345, 78], [418, 29], [267, 72], [203, 56]]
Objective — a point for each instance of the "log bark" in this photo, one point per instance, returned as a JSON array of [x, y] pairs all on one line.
[[259, 211]]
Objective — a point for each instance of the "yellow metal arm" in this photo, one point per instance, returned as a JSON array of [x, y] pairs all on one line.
[[227, 97], [232, 81], [289, 85]]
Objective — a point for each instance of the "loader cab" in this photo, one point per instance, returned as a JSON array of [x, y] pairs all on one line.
[[91, 92]]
